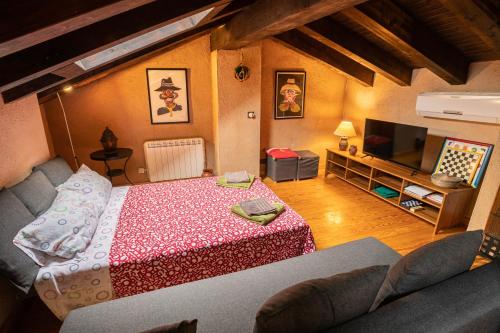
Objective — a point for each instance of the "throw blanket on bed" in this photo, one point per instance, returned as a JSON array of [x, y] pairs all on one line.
[[158, 235]]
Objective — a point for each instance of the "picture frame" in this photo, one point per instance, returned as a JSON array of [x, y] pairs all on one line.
[[464, 159], [168, 95], [289, 94]]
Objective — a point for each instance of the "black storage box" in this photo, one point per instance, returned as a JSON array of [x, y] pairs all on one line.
[[307, 166], [281, 168]]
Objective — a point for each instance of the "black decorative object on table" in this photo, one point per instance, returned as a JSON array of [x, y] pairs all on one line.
[[117, 154], [353, 149], [108, 141]]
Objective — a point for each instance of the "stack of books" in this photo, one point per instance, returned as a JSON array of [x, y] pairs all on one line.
[[417, 191], [412, 204], [386, 192], [435, 197]]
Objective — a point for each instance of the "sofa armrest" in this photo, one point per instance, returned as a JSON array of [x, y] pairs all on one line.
[[227, 303]]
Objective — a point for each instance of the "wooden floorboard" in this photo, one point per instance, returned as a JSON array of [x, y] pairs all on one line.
[[339, 212]]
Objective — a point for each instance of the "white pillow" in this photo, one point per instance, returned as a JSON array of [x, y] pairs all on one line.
[[92, 186], [65, 229]]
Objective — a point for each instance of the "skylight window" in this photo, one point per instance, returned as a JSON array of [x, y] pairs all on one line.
[[142, 41]]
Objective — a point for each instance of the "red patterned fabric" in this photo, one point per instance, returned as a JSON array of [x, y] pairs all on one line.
[[278, 153], [176, 232]]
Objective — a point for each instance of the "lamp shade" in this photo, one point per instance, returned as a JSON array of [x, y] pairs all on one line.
[[345, 129]]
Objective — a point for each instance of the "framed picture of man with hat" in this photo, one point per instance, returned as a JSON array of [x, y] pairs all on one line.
[[289, 95], [168, 95]]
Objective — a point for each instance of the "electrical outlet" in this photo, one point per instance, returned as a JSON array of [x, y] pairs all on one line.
[[141, 170]]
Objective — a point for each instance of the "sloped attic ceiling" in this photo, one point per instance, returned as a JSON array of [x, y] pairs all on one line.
[[40, 42]]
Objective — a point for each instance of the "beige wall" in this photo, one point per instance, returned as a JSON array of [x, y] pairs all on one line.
[[323, 102], [120, 101], [237, 137], [388, 101], [22, 145], [22, 139]]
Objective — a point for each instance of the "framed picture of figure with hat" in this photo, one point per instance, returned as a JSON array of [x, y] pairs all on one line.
[[289, 95], [168, 95]]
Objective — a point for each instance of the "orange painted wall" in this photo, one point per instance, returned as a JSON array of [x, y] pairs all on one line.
[[22, 139], [236, 135], [323, 102], [22, 145], [120, 101]]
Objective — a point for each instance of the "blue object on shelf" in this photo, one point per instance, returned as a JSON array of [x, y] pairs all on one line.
[[386, 192]]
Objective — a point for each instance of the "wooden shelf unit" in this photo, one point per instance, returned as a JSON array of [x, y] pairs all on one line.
[[369, 173]]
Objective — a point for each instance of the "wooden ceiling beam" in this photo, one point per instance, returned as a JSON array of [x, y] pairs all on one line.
[[394, 26], [234, 7], [27, 88], [29, 22], [69, 71], [308, 46], [43, 58], [358, 48], [130, 59], [213, 13], [479, 21], [491, 7], [265, 18]]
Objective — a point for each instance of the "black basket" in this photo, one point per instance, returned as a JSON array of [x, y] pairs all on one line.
[[490, 247]]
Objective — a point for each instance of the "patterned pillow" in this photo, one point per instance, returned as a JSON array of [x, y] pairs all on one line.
[[94, 187], [65, 229]]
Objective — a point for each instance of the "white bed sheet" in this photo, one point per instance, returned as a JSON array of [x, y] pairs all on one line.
[[65, 285]]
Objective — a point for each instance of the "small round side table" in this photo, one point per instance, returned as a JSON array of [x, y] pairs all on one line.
[[118, 154]]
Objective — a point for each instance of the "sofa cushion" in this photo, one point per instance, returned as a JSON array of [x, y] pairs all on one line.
[[430, 264], [466, 303], [16, 266], [56, 170], [185, 326], [36, 192], [315, 305]]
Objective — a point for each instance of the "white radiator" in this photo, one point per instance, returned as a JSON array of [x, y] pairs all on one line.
[[174, 159]]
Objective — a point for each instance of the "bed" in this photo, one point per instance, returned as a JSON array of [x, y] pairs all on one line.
[[158, 235]]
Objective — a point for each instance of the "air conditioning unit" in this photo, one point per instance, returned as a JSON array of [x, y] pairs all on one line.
[[477, 107]]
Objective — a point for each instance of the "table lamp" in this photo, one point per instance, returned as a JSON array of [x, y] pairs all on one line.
[[344, 130]]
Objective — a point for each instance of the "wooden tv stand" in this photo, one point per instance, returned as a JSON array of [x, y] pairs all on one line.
[[368, 173]]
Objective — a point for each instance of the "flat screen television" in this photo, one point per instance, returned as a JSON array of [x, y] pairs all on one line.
[[399, 143]]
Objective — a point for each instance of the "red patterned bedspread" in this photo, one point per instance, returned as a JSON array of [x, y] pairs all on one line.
[[176, 232]]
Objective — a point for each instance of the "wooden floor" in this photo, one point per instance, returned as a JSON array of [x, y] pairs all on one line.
[[337, 213]]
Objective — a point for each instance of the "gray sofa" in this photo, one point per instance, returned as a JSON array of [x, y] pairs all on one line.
[[469, 302]]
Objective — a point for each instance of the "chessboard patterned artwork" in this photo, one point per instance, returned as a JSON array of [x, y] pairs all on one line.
[[464, 159], [459, 163]]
